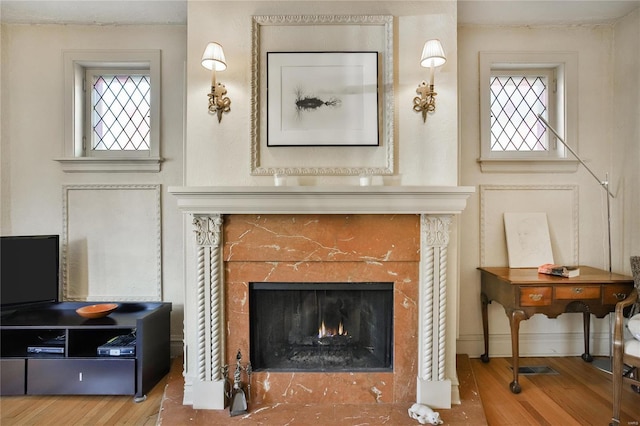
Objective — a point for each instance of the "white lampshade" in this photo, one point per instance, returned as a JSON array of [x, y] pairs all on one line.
[[432, 54], [213, 57]]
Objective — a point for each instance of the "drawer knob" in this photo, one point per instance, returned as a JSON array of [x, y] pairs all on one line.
[[536, 297], [578, 290], [620, 296]]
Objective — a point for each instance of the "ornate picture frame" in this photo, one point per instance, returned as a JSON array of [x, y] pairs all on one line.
[[322, 33]]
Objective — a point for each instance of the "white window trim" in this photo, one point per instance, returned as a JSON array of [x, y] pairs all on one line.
[[566, 68], [76, 62]]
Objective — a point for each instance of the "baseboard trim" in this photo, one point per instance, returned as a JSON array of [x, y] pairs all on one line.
[[534, 344]]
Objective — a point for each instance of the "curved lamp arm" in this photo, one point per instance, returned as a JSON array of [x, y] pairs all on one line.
[[603, 183]]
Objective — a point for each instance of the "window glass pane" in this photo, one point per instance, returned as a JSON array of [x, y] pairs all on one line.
[[516, 102], [121, 110]]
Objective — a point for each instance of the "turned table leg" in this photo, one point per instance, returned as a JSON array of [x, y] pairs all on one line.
[[514, 321], [586, 318], [485, 326]]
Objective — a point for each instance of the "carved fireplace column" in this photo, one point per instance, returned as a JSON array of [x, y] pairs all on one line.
[[209, 387], [433, 387]]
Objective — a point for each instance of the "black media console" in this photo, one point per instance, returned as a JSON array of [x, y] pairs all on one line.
[[51, 350]]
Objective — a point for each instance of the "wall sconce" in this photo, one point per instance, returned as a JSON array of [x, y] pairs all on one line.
[[432, 56], [213, 59]]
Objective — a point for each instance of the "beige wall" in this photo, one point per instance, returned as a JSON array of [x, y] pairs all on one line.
[[218, 154], [32, 136], [607, 133], [626, 133]]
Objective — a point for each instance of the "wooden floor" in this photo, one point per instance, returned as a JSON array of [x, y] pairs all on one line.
[[81, 410], [579, 395]]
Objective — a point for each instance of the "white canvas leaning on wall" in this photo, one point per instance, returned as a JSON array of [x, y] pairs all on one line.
[[528, 240]]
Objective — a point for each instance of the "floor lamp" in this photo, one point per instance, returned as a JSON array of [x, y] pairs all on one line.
[[604, 365]]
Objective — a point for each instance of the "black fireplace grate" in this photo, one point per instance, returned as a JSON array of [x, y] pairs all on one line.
[[321, 326]]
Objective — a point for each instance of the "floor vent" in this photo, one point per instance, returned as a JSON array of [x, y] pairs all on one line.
[[538, 369]]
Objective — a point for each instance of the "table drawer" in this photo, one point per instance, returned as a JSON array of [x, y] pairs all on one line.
[[616, 293], [578, 292], [535, 296]]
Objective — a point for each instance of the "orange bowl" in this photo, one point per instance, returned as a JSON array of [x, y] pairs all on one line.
[[97, 311]]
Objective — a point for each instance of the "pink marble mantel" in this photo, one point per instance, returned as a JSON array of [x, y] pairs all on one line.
[[204, 308]]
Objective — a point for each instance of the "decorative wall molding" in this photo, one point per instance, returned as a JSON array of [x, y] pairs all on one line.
[[534, 344], [555, 200], [258, 108], [106, 234]]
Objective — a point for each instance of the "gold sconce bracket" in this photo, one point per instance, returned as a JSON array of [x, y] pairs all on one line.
[[218, 102], [426, 102]]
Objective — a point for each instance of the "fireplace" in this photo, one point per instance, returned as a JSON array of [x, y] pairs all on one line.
[[321, 327], [344, 234]]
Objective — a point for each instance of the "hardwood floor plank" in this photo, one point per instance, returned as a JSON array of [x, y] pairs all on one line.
[[97, 408], [74, 410], [563, 388], [579, 395], [500, 408], [536, 414]]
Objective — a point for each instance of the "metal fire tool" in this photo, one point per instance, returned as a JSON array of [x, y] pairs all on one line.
[[239, 399]]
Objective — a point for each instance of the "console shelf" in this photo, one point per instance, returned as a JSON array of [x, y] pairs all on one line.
[[64, 360]]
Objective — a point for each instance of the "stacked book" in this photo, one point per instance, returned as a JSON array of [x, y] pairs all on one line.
[[559, 270]]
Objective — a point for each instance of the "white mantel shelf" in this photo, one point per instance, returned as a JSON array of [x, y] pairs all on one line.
[[322, 199]]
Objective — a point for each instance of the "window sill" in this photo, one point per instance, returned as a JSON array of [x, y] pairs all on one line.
[[109, 165], [503, 165]]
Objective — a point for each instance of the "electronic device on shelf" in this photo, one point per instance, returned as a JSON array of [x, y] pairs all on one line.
[[123, 345], [29, 275], [59, 350], [52, 345]]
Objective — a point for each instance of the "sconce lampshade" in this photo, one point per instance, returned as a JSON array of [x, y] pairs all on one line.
[[213, 57], [432, 54]]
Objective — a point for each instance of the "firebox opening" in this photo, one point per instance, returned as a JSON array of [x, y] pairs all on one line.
[[321, 326]]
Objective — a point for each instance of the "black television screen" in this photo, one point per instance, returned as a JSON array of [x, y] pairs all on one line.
[[29, 270]]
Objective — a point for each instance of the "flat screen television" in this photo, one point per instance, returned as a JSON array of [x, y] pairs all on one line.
[[29, 270]]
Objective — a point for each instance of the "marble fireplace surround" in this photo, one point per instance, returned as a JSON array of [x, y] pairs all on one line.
[[420, 237]]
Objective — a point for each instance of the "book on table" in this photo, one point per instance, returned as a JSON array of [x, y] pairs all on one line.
[[559, 270]]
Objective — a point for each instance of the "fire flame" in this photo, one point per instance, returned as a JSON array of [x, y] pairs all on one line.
[[323, 331]]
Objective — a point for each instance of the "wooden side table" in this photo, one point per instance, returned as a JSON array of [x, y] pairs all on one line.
[[524, 292]]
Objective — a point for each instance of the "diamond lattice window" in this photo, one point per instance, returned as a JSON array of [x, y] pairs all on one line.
[[516, 102], [121, 110]]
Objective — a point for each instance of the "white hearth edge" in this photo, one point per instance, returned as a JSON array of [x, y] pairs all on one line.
[[436, 205]]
